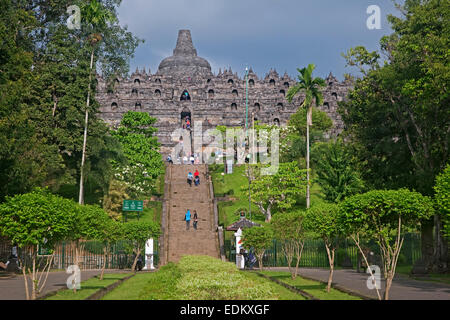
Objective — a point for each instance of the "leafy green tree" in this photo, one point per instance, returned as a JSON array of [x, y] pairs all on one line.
[[385, 216], [289, 228], [279, 190], [310, 86], [141, 148], [44, 81], [138, 233], [295, 138], [398, 111], [322, 221], [110, 232], [258, 238], [89, 223], [35, 219], [442, 198], [336, 170]]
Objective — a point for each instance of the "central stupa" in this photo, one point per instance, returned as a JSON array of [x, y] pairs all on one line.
[[184, 62]]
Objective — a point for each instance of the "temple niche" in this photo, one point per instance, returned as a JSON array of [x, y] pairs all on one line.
[[185, 85]]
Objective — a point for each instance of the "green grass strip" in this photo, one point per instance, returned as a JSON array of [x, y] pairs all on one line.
[[88, 287]]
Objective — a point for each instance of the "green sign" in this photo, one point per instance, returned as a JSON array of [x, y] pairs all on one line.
[[44, 251], [133, 205]]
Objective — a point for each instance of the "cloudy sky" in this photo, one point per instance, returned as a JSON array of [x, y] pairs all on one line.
[[263, 34]]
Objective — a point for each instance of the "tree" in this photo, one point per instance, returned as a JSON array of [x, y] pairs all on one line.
[[336, 171], [295, 139], [280, 189], [109, 233], [35, 219], [397, 113], [258, 238], [310, 87], [442, 218], [321, 220], [138, 233], [385, 216], [141, 148], [43, 83], [97, 17], [90, 222], [290, 230], [442, 198]]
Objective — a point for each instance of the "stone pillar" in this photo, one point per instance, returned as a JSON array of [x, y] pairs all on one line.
[[149, 255], [240, 262]]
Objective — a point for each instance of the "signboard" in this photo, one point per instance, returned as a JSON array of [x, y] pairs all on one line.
[[133, 205], [44, 251]]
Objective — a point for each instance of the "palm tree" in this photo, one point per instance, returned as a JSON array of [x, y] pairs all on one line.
[[311, 88], [96, 17]]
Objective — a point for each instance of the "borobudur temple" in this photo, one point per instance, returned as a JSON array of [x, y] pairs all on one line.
[[184, 85]]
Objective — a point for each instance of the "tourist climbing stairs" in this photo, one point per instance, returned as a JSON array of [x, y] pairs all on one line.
[[179, 241]]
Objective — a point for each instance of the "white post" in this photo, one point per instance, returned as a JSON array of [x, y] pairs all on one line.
[[240, 263], [149, 255]]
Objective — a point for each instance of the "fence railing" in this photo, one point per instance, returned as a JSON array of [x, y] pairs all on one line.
[[91, 256], [314, 254]]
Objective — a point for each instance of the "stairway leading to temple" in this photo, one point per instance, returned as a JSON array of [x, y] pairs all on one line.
[[204, 240]]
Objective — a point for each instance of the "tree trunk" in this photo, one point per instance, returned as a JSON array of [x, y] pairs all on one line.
[[427, 243], [33, 279], [441, 249], [299, 257], [388, 286], [330, 253], [307, 159], [86, 118], [104, 262], [133, 267], [260, 260]]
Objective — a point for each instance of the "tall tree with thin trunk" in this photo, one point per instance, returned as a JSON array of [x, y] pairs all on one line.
[[310, 87], [96, 16]]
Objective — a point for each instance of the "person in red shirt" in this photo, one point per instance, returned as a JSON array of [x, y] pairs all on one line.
[[196, 173]]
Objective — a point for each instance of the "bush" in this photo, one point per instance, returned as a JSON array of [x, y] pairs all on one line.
[[207, 278]]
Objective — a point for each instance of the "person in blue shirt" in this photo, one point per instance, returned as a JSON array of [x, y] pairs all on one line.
[[187, 218], [190, 177]]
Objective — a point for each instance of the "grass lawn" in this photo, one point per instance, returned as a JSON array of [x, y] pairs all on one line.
[[232, 184], [88, 287], [202, 278], [317, 289]]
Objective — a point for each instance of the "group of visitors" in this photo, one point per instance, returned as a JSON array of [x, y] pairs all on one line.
[[186, 159], [193, 177], [187, 218]]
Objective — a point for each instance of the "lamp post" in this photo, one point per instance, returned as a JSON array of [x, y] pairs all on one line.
[[248, 142]]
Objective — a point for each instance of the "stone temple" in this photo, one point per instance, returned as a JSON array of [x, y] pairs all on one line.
[[184, 85]]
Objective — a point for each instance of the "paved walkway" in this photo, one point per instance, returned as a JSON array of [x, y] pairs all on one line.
[[14, 288], [403, 288]]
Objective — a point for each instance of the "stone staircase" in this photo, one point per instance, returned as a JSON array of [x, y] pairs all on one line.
[[204, 240]]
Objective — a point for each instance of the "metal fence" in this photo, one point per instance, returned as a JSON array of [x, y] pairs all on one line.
[[314, 254], [91, 256]]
